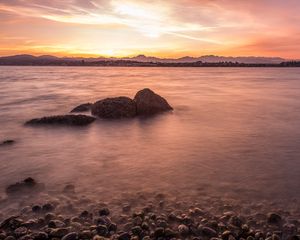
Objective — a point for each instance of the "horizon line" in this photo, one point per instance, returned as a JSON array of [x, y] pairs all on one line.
[[147, 56]]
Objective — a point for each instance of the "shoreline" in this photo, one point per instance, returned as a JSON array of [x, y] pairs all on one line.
[[146, 215]]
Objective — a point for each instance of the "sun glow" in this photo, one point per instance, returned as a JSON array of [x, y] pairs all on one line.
[[160, 28]]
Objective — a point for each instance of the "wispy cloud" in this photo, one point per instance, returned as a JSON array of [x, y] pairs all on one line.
[[191, 26]]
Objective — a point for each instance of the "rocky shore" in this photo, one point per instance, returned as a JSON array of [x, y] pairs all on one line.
[[142, 215]]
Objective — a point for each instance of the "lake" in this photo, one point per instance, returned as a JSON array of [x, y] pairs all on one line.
[[234, 132]]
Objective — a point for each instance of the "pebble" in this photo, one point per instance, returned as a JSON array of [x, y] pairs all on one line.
[[209, 232], [102, 230], [149, 222], [59, 232], [124, 236], [159, 232], [137, 230], [20, 231], [36, 209], [104, 212], [183, 229], [70, 236], [48, 207], [10, 238], [40, 236], [274, 218]]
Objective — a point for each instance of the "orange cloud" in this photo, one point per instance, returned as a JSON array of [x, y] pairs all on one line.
[[161, 28]]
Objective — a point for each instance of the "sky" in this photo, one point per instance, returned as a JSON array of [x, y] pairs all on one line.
[[161, 28]]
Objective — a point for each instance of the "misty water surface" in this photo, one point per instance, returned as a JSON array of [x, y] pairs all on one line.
[[234, 131]]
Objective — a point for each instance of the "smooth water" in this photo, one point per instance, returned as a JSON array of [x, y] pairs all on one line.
[[234, 131]]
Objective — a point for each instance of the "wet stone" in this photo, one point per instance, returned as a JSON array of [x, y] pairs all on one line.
[[7, 142], [59, 232], [126, 208], [236, 221], [183, 229], [71, 236], [11, 223], [124, 236], [40, 236], [86, 234], [69, 189], [10, 238], [48, 207], [36, 209], [20, 231], [159, 232], [56, 224], [112, 227], [102, 230], [104, 212], [209, 232], [274, 218]]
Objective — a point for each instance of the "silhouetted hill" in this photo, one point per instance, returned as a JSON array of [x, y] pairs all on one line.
[[142, 60]]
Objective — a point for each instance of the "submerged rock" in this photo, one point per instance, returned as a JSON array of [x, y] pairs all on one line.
[[26, 186], [69, 188], [82, 108], [119, 107], [274, 218], [149, 103], [7, 142], [72, 120]]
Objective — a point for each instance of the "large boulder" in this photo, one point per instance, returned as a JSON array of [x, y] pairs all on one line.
[[82, 108], [119, 107], [72, 120], [149, 103]]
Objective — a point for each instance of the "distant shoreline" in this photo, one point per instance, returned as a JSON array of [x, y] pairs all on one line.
[[143, 61], [122, 63]]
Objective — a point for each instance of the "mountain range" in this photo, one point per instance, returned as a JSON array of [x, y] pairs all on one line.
[[25, 59]]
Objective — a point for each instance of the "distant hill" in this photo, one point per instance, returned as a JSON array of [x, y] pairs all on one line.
[[144, 61], [29, 59], [208, 59]]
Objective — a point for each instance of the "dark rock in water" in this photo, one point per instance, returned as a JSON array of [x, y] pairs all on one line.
[[56, 224], [48, 207], [27, 186], [149, 103], [69, 188], [274, 218], [236, 221], [119, 107], [49, 216], [104, 212], [72, 120], [36, 209], [82, 108], [7, 142]]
